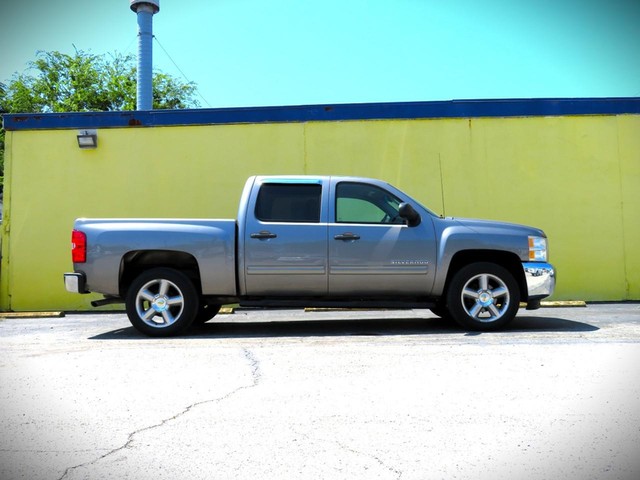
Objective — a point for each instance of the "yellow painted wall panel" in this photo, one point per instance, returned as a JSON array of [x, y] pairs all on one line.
[[578, 178], [147, 172], [406, 153], [561, 174], [629, 147]]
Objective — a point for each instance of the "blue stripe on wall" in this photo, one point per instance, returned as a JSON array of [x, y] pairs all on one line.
[[308, 113]]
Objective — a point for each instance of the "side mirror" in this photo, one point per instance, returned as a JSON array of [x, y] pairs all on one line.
[[409, 213]]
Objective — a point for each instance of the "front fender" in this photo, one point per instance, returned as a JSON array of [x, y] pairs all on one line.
[[485, 240]]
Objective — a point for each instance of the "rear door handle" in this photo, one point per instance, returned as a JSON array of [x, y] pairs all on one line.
[[347, 236], [263, 235]]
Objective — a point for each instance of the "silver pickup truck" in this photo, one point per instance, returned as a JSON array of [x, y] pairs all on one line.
[[320, 241]]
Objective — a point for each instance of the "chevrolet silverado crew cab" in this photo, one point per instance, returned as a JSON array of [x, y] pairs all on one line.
[[312, 241]]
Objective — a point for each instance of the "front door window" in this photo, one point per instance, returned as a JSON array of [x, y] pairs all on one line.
[[361, 203]]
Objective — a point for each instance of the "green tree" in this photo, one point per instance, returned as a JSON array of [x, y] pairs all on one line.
[[57, 82]]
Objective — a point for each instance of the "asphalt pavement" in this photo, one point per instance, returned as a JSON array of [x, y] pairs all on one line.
[[323, 395]]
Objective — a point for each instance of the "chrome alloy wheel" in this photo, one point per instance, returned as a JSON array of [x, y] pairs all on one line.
[[159, 303], [485, 297]]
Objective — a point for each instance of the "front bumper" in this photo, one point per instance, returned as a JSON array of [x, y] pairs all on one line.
[[540, 278], [75, 282]]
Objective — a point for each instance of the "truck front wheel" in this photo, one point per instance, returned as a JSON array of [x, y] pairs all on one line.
[[162, 302], [483, 296]]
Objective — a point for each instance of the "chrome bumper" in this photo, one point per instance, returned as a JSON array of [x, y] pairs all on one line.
[[75, 282], [541, 279]]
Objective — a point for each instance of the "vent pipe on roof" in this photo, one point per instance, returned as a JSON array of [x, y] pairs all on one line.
[[145, 9]]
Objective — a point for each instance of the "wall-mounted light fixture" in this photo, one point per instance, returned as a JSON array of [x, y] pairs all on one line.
[[87, 138]]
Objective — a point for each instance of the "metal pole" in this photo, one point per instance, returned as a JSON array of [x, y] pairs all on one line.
[[145, 11]]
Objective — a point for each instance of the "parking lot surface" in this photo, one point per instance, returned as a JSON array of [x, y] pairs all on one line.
[[323, 395]]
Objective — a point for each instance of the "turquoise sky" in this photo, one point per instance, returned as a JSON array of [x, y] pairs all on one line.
[[292, 52]]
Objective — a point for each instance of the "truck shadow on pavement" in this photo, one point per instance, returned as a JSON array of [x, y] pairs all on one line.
[[355, 327]]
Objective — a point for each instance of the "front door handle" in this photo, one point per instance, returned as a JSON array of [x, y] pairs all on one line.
[[262, 235], [347, 236]]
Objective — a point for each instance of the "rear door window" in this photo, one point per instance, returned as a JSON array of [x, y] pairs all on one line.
[[295, 203]]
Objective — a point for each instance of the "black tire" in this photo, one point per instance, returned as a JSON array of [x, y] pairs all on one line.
[[206, 312], [483, 296], [162, 302]]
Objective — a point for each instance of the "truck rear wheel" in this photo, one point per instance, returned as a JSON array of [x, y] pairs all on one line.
[[483, 296], [162, 302]]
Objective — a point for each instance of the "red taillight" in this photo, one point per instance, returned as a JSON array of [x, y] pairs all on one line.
[[78, 246]]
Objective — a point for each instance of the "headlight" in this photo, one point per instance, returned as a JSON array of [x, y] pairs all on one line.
[[537, 249]]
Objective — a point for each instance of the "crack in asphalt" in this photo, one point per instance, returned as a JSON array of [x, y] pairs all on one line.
[[256, 377], [347, 448], [393, 470]]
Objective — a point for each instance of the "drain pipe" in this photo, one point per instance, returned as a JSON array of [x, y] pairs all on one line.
[[145, 9]]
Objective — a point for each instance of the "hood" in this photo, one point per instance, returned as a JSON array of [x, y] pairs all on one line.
[[490, 226]]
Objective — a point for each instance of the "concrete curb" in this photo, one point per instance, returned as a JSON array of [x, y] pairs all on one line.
[[31, 314]]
